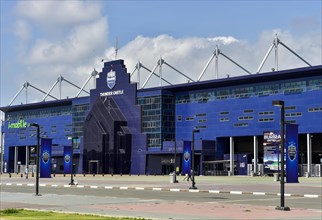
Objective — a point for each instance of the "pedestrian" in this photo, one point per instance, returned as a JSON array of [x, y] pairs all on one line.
[[187, 177], [26, 172]]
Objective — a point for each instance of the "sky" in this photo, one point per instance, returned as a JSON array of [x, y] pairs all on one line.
[[41, 40]]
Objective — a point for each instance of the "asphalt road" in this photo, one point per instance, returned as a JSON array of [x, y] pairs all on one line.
[[225, 198], [157, 204], [153, 197]]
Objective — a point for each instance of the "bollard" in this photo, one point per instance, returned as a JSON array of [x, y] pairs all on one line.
[[64, 174], [9, 175], [32, 174], [121, 174], [129, 174], [93, 174], [84, 174], [103, 174], [138, 174], [54, 174], [21, 175], [112, 174]]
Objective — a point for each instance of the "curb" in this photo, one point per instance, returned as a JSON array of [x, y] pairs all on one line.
[[167, 190]]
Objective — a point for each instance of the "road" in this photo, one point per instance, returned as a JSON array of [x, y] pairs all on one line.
[[159, 203]]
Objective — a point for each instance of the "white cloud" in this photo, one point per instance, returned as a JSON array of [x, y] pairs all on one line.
[[83, 42], [59, 12], [22, 30], [65, 38]]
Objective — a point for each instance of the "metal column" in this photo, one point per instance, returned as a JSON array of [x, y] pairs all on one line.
[[255, 155], [231, 154], [15, 167], [309, 154]]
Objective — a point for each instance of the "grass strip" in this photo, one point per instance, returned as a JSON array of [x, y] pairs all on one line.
[[22, 214]]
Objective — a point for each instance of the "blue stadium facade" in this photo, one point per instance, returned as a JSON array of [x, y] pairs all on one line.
[[122, 129]]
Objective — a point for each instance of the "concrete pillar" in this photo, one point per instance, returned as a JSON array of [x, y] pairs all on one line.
[[309, 154], [231, 154], [27, 156], [15, 166], [200, 164], [255, 155]]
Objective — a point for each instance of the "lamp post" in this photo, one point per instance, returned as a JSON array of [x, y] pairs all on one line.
[[175, 163], [71, 160], [1, 147], [280, 104], [193, 160], [37, 158]]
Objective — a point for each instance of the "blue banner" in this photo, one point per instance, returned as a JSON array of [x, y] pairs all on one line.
[[291, 145], [45, 158], [68, 160], [186, 159]]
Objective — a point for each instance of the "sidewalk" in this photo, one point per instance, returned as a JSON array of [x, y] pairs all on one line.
[[214, 184]]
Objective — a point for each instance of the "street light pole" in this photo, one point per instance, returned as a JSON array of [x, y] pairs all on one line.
[[280, 104], [72, 161], [1, 148], [193, 160], [37, 158], [175, 163]]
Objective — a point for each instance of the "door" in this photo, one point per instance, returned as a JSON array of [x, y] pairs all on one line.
[[93, 166]]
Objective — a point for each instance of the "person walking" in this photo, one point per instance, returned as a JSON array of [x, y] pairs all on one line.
[[187, 177], [26, 171]]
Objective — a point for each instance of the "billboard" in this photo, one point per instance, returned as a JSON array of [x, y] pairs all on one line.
[[271, 145]]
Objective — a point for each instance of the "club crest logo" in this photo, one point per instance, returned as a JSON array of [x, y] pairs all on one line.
[[186, 156], [45, 157], [67, 158], [291, 151], [111, 79]]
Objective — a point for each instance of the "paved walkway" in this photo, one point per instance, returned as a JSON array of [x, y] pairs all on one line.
[[161, 209], [307, 187]]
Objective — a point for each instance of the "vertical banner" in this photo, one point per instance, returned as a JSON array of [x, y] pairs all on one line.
[[186, 159], [271, 143], [45, 158], [68, 159], [291, 145]]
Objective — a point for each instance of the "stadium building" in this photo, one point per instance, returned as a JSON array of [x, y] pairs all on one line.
[[120, 128]]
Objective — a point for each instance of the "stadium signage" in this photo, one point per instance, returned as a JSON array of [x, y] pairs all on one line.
[[20, 124], [112, 93]]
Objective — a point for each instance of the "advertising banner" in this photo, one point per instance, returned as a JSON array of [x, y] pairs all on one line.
[[271, 143], [45, 158], [186, 159], [291, 145], [68, 159]]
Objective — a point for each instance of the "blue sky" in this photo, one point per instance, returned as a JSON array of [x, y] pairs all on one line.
[[41, 40]]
